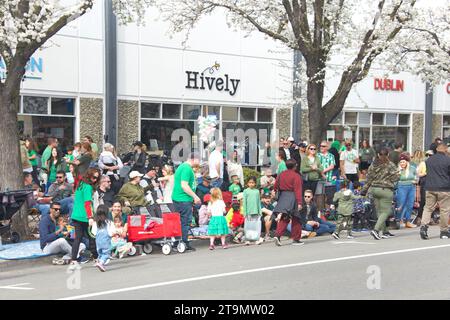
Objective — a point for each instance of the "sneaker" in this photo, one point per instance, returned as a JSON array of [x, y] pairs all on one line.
[[267, 238], [190, 248], [74, 265], [125, 249], [277, 241], [384, 236], [83, 259], [312, 234], [389, 235], [261, 240], [58, 261], [375, 234], [107, 261], [410, 225], [247, 243], [100, 266], [444, 235], [225, 246], [297, 243], [236, 240], [212, 247], [424, 232], [335, 235], [350, 236]]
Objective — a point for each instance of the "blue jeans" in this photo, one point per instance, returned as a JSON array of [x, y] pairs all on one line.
[[66, 206], [216, 183], [405, 197], [185, 210], [103, 244], [325, 227], [43, 208]]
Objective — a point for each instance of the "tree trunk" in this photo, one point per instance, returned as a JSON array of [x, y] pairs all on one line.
[[10, 161], [316, 117]]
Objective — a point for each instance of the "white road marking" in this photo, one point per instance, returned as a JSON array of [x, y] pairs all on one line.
[[17, 287], [229, 274], [352, 242]]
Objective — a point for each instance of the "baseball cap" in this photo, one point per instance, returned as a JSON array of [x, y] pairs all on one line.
[[404, 156], [207, 198], [134, 174], [291, 139], [266, 195]]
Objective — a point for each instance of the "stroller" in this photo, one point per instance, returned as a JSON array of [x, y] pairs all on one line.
[[11, 202]]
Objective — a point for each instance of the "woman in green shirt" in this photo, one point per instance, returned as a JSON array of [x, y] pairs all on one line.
[[55, 164], [83, 213], [366, 155], [281, 159], [311, 169], [32, 156]]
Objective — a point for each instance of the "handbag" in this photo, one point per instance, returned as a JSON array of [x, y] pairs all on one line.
[[252, 228]]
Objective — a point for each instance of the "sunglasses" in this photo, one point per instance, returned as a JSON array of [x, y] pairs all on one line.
[[312, 148], [57, 209], [308, 197], [95, 177], [59, 177], [427, 155]]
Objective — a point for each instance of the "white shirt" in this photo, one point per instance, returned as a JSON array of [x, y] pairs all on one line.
[[288, 153], [348, 157], [217, 208], [214, 159]]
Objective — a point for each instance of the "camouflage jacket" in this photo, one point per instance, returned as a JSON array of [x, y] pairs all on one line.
[[382, 175]]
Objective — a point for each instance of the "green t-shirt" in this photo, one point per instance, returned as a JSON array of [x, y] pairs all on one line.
[[46, 155], [82, 194], [183, 173], [235, 189], [53, 171], [252, 202], [69, 159], [33, 162], [281, 167]]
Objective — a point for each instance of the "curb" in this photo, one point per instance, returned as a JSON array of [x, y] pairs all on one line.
[[13, 265]]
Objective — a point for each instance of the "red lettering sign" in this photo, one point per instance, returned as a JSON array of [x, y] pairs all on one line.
[[389, 84]]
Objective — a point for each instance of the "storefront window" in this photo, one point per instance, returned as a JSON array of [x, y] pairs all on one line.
[[351, 117], [386, 137], [378, 118], [150, 110], [264, 115], [63, 106], [191, 112], [171, 111], [211, 111], [446, 129], [35, 105], [40, 128], [403, 119], [248, 114], [161, 131], [391, 119], [230, 113]]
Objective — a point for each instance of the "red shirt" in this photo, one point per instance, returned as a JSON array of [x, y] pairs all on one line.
[[289, 180]]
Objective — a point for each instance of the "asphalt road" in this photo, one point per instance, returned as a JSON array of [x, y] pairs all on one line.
[[403, 267]]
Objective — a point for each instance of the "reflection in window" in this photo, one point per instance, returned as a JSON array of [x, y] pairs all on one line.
[[211, 111], [386, 137], [230, 113], [162, 131], [338, 119], [150, 110], [378, 118], [35, 105], [403, 119]]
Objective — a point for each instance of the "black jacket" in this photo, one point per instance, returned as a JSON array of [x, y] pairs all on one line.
[[295, 155], [438, 173], [139, 165]]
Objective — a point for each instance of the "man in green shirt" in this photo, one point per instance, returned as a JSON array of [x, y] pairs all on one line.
[[184, 193], [47, 154]]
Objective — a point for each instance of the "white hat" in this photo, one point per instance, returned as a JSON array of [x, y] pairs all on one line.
[[134, 174], [291, 139]]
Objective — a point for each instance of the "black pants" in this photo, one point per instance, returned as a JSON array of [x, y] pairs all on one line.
[[35, 176], [353, 177], [422, 198], [81, 230]]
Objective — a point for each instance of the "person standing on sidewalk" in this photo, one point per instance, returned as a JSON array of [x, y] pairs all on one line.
[[406, 191], [83, 213], [437, 191], [382, 176], [289, 185], [184, 193]]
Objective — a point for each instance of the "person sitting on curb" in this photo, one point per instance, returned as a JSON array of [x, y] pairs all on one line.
[[314, 224], [39, 202], [268, 215], [53, 241], [61, 192]]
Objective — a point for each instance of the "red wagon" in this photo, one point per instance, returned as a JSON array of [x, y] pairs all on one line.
[[147, 231]]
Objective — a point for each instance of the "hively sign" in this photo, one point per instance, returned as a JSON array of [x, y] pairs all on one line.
[[198, 80], [388, 84]]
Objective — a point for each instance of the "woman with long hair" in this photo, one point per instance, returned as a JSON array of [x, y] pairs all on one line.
[[234, 167], [84, 160], [55, 163], [167, 180], [281, 159], [406, 191], [32, 156], [417, 158], [366, 155], [382, 176], [311, 168], [83, 212]]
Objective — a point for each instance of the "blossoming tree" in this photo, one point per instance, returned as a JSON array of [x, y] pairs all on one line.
[[357, 31]]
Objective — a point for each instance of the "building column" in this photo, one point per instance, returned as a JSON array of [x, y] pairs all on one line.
[[428, 115], [128, 124]]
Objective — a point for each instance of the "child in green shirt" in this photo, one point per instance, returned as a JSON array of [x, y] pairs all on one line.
[[252, 209], [235, 187]]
